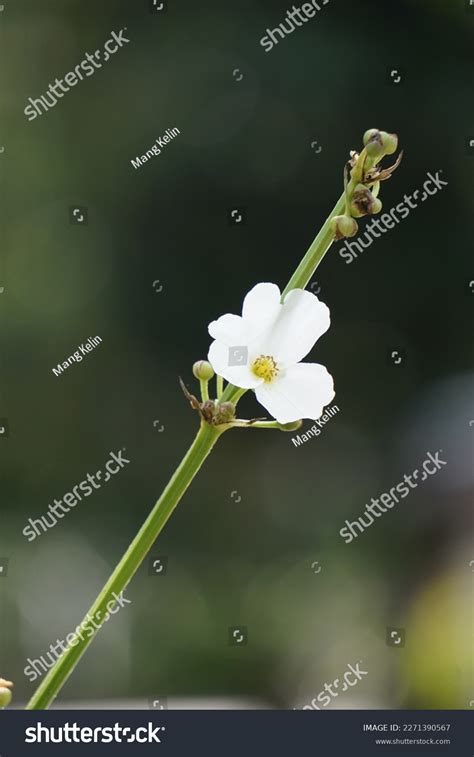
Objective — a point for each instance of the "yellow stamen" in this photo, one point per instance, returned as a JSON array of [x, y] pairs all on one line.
[[265, 367]]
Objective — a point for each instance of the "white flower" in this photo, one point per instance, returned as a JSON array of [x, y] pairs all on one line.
[[262, 350]]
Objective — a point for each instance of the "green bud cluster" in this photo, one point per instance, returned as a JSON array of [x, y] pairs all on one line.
[[216, 413], [212, 411], [362, 189]]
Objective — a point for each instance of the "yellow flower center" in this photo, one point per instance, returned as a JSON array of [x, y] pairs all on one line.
[[265, 367]]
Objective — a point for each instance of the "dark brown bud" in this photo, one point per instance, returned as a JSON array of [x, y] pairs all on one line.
[[364, 203], [225, 412], [208, 411]]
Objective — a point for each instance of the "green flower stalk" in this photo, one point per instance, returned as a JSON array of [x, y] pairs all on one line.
[[203, 371], [262, 371]]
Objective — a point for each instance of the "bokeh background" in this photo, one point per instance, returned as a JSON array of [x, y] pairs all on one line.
[[244, 143]]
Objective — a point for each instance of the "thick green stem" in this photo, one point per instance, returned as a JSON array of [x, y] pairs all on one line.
[[316, 252], [128, 565]]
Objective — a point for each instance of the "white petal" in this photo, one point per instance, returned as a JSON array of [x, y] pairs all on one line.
[[219, 357], [262, 305], [300, 323], [229, 329], [260, 311], [301, 392]]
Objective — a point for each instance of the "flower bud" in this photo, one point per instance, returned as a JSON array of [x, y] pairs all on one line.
[[373, 143], [226, 412], [294, 426], [363, 202], [344, 226], [203, 370], [5, 693], [370, 134], [5, 697], [389, 142], [375, 149]]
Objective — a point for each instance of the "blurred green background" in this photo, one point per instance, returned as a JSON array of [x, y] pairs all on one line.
[[243, 143]]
